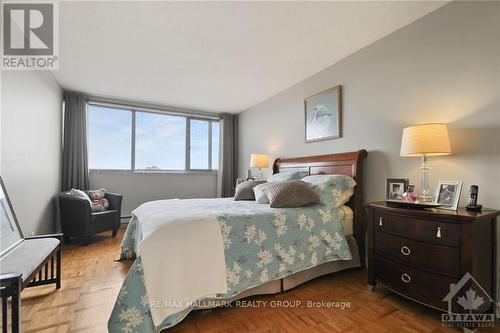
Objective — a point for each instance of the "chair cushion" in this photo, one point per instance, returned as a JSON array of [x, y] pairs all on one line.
[[27, 256], [101, 216]]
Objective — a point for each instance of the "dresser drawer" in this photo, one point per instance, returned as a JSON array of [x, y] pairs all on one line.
[[445, 259], [427, 288], [435, 232]]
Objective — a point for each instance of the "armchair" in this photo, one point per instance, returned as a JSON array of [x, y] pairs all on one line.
[[78, 220]]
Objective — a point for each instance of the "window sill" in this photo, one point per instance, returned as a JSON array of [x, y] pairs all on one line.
[[154, 172]]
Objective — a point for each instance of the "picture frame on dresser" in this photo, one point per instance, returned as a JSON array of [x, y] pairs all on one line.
[[395, 188], [448, 194]]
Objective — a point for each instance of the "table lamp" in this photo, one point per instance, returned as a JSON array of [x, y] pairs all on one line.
[[259, 161], [423, 141]]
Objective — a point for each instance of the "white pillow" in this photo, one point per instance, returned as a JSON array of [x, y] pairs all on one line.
[[80, 194], [260, 195]]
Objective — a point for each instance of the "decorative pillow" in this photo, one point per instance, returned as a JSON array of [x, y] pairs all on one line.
[[260, 194], [80, 194], [332, 190], [284, 176], [99, 202], [290, 194], [244, 191]]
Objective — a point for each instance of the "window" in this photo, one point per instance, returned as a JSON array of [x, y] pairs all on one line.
[[133, 139], [204, 144], [110, 138], [215, 145], [160, 142], [199, 144]]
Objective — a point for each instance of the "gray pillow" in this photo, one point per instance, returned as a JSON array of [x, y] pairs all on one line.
[[290, 194], [244, 191]]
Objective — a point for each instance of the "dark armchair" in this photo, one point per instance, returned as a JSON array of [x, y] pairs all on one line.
[[78, 220]]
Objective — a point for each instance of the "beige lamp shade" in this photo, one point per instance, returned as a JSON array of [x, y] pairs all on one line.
[[425, 140], [259, 161]]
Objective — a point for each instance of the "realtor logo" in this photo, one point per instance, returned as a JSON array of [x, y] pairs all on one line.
[[469, 305], [29, 35]]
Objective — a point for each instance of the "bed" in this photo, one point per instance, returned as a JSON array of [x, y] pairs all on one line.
[[261, 250]]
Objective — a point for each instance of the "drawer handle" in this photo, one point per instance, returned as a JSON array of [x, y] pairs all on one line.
[[405, 250], [406, 278], [380, 221], [438, 233]]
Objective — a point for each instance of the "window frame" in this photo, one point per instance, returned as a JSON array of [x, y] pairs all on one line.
[[187, 151]]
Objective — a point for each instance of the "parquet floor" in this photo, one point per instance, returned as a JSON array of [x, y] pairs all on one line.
[[91, 281]]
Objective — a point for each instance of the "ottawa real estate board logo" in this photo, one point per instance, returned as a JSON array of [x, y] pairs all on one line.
[[30, 39], [469, 305]]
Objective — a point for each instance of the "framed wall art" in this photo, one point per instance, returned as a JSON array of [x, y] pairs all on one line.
[[323, 115]]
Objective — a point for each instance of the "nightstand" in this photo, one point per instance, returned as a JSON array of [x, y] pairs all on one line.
[[419, 253]]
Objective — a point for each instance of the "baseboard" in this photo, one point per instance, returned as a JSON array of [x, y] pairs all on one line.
[[124, 221]]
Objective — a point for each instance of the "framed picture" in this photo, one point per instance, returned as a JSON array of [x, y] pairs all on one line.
[[395, 188], [323, 115], [448, 194], [10, 233]]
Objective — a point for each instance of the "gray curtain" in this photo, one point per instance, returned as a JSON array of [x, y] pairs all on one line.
[[228, 165], [75, 170]]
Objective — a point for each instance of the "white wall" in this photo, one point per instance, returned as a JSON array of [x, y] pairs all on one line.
[[31, 146], [444, 67], [140, 187]]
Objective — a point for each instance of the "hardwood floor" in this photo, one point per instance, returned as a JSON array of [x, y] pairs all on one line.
[[91, 281]]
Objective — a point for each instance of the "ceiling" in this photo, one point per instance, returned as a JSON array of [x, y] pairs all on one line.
[[214, 56]]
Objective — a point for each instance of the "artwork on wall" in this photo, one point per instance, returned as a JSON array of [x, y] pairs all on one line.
[[323, 115]]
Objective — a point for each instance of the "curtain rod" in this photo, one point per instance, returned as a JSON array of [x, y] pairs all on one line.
[[106, 102]]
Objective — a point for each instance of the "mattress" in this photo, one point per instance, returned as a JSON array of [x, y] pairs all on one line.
[[347, 222]]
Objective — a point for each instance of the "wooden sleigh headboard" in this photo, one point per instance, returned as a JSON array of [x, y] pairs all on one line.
[[350, 164]]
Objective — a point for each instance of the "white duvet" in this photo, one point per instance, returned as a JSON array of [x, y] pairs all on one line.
[[196, 250]]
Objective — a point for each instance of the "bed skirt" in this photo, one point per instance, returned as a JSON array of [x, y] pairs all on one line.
[[292, 281]]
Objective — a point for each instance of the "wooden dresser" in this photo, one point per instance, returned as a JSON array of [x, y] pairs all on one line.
[[419, 253]]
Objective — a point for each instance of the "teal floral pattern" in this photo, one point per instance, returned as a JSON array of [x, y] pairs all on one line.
[[330, 188], [260, 244], [284, 176]]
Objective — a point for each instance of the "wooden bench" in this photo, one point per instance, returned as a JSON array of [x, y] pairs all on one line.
[[24, 262]]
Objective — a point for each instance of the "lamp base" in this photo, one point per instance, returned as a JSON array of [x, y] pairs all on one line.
[[425, 195], [260, 177]]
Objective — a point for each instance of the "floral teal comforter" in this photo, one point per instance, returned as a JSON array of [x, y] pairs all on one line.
[[261, 244]]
